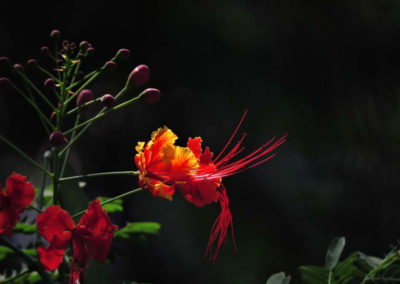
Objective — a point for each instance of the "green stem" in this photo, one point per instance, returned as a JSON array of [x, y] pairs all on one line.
[[131, 192], [84, 85], [42, 186], [33, 263], [26, 79], [69, 149], [48, 73], [34, 208], [11, 279], [29, 159], [34, 105], [55, 177], [120, 173], [103, 113], [87, 76], [83, 106]]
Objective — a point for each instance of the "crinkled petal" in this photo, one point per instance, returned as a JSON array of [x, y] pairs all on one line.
[[100, 231], [54, 221], [50, 258], [20, 192], [194, 144], [199, 193], [8, 219]]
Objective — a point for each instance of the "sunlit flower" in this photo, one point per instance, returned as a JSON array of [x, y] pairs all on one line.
[[18, 195], [164, 167], [91, 238]]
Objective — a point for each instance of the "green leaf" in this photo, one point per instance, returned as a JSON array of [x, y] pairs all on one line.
[[314, 274], [334, 251], [72, 197], [47, 195], [370, 260], [278, 278], [24, 228], [5, 252], [114, 206], [150, 228]]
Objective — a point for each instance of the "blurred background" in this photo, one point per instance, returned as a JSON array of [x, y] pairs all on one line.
[[327, 72]]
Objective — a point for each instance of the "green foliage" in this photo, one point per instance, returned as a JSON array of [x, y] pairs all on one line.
[[112, 207], [334, 251], [278, 278], [142, 228], [47, 195], [72, 197], [24, 228], [356, 268], [6, 252]]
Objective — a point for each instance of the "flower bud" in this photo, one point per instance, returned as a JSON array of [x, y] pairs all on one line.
[[44, 50], [32, 63], [123, 54], [84, 96], [19, 67], [139, 76], [90, 51], [111, 66], [4, 61], [84, 45], [5, 83], [151, 95], [108, 100], [50, 83], [57, 138], [55, 34]]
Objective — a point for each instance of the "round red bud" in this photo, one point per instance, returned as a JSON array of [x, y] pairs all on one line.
[[108, 100], [151, 95], [50, 83], [139, 76], [55, 34], [123, 54], [90, 51], [31, 63], [84, 45], [111, 66], [5, 83], [4, 61], [84, 96], [57, 138], [19, 67], [44, 50]]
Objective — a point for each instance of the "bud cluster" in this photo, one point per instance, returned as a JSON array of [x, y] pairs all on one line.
[[67, 82]]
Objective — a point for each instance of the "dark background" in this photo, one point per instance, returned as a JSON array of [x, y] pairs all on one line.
[[327, 72]]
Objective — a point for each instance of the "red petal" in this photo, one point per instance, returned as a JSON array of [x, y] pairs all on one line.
[[20, 192], [54, 221], [195, 145], [199, 193], [50, 258], [101, 230], [206, 157], [8, 219]]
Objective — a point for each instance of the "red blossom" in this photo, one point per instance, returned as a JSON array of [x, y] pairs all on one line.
[[91, 238], [163, 168], [18, 195]]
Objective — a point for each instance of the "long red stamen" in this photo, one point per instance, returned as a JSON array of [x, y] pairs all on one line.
[[233, 135], [220, 228], [242, 164]]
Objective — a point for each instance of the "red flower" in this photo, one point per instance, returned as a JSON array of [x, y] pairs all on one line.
[[164, 167], [91, 238], [18, 195]]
